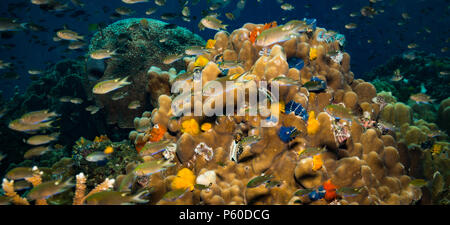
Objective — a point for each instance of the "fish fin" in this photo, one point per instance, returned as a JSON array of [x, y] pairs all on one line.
[[124, 81], [137, 198], [24, 26], [68, 182]]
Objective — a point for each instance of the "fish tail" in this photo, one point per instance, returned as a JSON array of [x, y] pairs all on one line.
[[24, 25], [137, 198], [124, 81], [80, 37], [225, 26], [69, 183]]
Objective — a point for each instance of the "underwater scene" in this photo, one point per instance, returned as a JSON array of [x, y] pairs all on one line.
[[224, 102]]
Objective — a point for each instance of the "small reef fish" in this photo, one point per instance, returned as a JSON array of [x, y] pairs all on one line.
[[368, 11], [397, 76], [93, 109], [65, 99], [350, 26], [150, 11], [249, 140], [201, 61], [206, 127], [336, 7], [76, 45], [49, 188], [210, 44], [134, 104], [413, 45], [8, 24], [354, 14], [186, 11], [185, 179], [124, 11], [134, 1], [281, 33], [151, 167], [4, 200], [287, 6], [230, 16], [312, 151], [2, 157], [119, 95], [421, 98], [339, 112], [36, 117], [110, 85], [157, 133], [102, 54], [196, 50], [211, 22], [303, 192], [160, 2], [315, 85], [317, 162], [127, 181], [418, 183], [108, 150], [285, 81], [69, 35], [22, 185], [230, 64], [348, 191], [76, 101], [172, 58], [175, 194], [152, 147], [115, 198], [42, 139], [19, 173], [255, 182], [25, 127], [4, 65], [34, 72], [96, 157], [36, 151]]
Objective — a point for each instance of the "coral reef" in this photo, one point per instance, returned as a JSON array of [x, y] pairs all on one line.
[[416, 68], [327, 138], [371, 157]]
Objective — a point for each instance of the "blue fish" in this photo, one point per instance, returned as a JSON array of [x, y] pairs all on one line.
[[286, 134], [312, 22], [317, 194], [297, 108], [295, 62], [154, 153]]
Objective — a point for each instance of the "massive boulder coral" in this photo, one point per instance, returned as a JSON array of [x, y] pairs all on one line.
[[357, 153], [139, 44]]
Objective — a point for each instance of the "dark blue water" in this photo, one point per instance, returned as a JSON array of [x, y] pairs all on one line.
[[428, 27]]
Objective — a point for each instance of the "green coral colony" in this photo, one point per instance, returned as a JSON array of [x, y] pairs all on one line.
[[337, 140]]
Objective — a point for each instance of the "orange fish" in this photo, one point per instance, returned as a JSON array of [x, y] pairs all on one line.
[[139, 147], [257, 30], [330, 189], [157, 133], [102, 138], [317, 162]]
